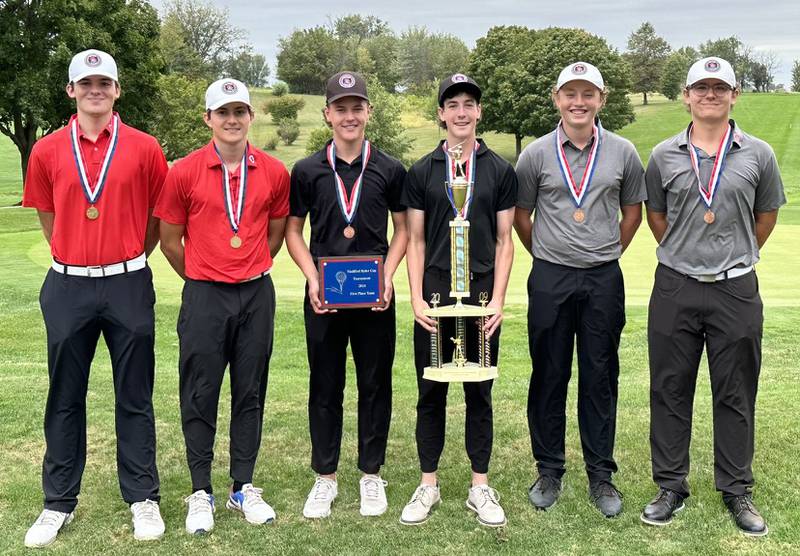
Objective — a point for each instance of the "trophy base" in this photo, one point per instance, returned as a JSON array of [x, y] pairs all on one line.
[[450, 372]]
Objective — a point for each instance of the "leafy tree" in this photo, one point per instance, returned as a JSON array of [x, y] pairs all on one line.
[[317, 139], [248, 67], [673, 76], [179, 57], [38, 39], [306, 59], [517, 69], [425, 58], [284, 108], [734, 51], [360, 27], [178, 115], [762, 70], [647, 53], [796, 76], [280, 89]]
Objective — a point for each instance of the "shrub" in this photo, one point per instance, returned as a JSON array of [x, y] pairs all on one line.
[[284, 108], [317, 139], [280, 88], [271, 143], [288, 131]]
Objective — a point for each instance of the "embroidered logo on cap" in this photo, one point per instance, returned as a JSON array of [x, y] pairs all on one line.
[[712, 66], [578, 69], [229, 88], [92, 60], [347, 81], [459, 78]]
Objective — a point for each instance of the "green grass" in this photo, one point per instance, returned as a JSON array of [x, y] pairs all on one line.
[[572, 527]]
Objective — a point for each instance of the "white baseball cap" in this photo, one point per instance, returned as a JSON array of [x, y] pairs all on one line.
[[92, 62], [711, 68], [224, 91], [582, 71]]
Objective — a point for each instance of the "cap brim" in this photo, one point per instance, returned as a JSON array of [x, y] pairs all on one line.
[[589, 81], [91, 73], [343, 95], [465, 86], [220, 103]]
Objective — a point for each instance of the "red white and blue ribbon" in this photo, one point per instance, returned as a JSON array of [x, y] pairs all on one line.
[[348, 204], [93, 193], [578, 191], [234, 213], [469, 175], [707, 192]]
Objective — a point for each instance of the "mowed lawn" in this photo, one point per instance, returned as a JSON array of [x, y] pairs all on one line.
[[102, 524]]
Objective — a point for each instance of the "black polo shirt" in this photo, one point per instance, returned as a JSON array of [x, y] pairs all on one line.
[[313, 191], [495, 190]]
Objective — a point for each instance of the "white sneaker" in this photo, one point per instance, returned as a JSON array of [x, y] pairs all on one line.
[[484, 501], [251, 504], [322, 495], [147, 522], [419, 509], [200, 515], [373, 495], [46, 527]]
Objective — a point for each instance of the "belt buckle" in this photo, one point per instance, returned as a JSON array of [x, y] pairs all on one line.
[[95, 272], [707, 278]]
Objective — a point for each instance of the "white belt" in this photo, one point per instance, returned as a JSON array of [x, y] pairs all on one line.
[[732, 273], [256, 277], [101, 271]]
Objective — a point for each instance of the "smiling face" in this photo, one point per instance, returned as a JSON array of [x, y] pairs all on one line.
[[460, 114], [94, 95], [710, 100], [578, 102], [230, 122], [348, 117]]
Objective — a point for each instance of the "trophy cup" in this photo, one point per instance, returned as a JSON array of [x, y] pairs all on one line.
[[459, 369]]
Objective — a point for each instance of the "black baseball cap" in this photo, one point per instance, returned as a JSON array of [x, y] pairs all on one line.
[[456, 83], [345, 84]]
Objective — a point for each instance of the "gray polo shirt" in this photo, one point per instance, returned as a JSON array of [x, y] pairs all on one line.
[[618, 180], [750, 182]]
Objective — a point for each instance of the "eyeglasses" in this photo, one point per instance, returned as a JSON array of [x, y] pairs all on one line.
[[719, 89]]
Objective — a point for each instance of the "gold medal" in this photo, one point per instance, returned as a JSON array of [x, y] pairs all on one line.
[[709, 217], [349, 232], [579, 216], [92, 213], [236, 242]]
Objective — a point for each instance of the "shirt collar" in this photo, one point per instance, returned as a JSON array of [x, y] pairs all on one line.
[[213, 160], [107, 131], [438, 154], [565, 139], [738, 136]]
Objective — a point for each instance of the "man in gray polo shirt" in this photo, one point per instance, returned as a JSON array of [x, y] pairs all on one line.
[[713, 199], [577, 179]]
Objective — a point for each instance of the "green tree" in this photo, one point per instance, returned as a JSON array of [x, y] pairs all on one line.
[[284, 107], [796, 76], [647, 53], [248, 67], [360, 27], [734, 51], [425, 58], [37, 41], [178, 115], [179, 57], [673, 76], [306, 59], [288, 131], [517, 69]]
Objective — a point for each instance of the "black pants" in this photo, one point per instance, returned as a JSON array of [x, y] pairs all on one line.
[[220, 325], [76, 311], [565, 303], [432, 401], [371, 335], [727, 318]]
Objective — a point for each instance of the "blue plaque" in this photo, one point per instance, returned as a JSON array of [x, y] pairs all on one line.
[[351, 282]]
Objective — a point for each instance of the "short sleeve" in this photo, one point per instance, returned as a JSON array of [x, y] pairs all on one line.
[[769, 192], [633, 190], [280, 201], [413, 191], [656, 194], [38, 190], [507, 192], [158, 172], [171, 206], [528, 180], [299, 195], [395, 188]]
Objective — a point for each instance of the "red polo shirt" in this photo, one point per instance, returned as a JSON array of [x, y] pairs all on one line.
[[135, 178], [193, 196]]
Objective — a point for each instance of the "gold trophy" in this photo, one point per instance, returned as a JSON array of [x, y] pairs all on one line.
[[459, 369]]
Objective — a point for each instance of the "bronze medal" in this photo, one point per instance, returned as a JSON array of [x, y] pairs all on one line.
[[236, 242], [349, 232], [92, 213], [579, 216], [709, 217]]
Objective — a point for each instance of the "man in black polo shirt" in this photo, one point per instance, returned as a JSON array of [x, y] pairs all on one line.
[[348, 188], [490, 211]]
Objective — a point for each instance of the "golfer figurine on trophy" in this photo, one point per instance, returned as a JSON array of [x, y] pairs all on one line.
[[459, 369]]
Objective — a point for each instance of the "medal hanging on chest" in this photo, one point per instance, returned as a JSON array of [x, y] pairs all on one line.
[[348, 204], [578, 191], [469, 175], [708, 191], [234, 213], [92, 194]]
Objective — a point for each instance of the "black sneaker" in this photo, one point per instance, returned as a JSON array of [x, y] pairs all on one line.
[[746, 516], [544, 492], [661, 508], [606, 498]]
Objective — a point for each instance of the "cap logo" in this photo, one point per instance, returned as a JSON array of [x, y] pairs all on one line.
[[229, 88], [459, 78], [347, 81], [92, 60], [712, 66], [578, 69]]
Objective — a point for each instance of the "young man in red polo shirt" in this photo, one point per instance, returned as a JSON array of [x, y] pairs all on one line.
[[223, 213], [94, 184]]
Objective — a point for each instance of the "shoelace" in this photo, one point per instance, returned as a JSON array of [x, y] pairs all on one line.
[[744, 503], [252, 494], [489, 496], [145, 511], [547, 482], [372, 486], [322, 489], [662, 494], [423, 494], [48, 517], [604, 488], [198, 503]]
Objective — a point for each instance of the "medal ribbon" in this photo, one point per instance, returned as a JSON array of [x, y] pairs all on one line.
[[469, 174], [707, 193], [348, 204], [93, 194], [578, 192], [234, 216]]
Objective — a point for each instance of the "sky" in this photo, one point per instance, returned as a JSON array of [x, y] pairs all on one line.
[[765, 25]]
